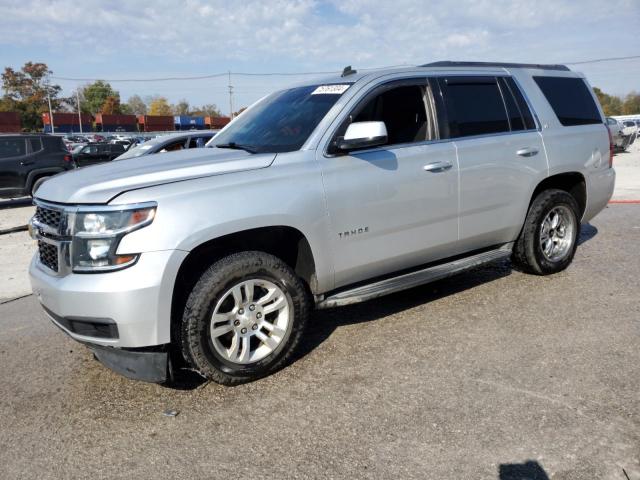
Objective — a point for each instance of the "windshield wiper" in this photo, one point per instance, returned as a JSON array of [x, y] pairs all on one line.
[[237, 146]]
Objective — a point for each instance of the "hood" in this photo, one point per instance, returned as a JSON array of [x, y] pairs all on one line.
[[100, 183]]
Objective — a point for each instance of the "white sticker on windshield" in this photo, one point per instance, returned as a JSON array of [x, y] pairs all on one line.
[[330, 89]]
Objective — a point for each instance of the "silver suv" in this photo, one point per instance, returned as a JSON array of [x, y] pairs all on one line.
[[320, 195]]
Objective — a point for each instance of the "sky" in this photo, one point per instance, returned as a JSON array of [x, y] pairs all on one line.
[[142, 39]]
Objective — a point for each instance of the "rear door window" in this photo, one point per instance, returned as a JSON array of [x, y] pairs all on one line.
[[474, 106], [570, 100], [36, 144]]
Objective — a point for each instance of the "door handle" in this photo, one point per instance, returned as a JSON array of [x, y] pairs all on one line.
[[527, 152], [437, 167], [27, 163]]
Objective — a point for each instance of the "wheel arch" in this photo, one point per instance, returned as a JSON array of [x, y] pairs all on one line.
[[285, 242], [574, 183]]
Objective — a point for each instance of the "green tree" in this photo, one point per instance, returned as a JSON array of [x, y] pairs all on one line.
[[160, 106], [136, 105], [181, 108], [611, 104], [94, 96], [26, 92], [631, 105]]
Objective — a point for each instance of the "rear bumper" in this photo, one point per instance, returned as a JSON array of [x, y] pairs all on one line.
[[599, 191]]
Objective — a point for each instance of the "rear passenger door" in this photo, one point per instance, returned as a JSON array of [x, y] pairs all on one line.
[[500, 153]]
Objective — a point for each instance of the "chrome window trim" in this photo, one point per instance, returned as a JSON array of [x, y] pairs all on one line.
[[503, 74]]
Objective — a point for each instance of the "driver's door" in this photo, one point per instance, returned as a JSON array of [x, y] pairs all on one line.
[[389, 208]]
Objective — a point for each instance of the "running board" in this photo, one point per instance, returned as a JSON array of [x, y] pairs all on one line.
[[413, 279]]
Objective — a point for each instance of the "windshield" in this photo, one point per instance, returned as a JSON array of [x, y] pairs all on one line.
[[283, 121], [137, 151]]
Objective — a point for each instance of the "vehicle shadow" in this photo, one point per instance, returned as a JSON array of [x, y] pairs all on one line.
[[529, 470], [324, 322], [587, 232]]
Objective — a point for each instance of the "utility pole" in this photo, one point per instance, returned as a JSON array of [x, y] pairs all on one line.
[[79, 116], [230, 97], [53, 130], [50, 110]]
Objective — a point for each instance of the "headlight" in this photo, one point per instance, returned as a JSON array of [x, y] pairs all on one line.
[[97, 234]]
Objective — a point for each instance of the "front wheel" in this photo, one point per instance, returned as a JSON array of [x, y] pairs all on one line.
[[244, 318], [549, 236]]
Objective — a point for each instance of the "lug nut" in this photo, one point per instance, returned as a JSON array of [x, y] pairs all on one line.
[[258, 315], [252, 307], [236, 323], [244, 330], [254, 326], [241, 311]]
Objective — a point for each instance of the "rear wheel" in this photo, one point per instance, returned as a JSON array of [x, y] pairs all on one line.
[[244, 318], [549, 236]]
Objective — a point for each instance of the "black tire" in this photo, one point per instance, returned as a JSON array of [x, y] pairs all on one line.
[[527, 251], [37, 184], [196, 341]]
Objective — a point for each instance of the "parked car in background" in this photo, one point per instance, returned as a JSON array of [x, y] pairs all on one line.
[[619, 139], [95, 153], [630, 127], [28, 160], [171, 143]]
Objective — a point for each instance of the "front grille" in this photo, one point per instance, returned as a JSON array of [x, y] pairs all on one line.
[[49, 217], [48, 255]]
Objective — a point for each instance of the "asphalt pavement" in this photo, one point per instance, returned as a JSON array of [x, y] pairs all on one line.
[[491, 374]]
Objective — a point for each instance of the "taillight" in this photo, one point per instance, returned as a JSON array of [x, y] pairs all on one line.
[[610, 146], [67, 158]]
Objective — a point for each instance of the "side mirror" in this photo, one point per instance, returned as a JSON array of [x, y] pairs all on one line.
[[363, 135]]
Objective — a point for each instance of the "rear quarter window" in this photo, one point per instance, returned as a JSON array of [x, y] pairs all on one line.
[[570, 100], [36, 144]]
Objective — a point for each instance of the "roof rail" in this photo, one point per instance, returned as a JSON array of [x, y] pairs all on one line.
[[540, 66]]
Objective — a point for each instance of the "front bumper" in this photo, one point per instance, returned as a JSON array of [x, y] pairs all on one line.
[[136, 301]]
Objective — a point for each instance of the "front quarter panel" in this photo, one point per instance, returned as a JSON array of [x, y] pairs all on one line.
[[190, 213]]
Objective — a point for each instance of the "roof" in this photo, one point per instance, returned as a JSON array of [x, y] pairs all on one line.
[[359, 74], [539, 66]]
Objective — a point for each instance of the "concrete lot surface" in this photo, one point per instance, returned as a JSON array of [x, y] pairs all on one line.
[[492, 374], [627, 165]]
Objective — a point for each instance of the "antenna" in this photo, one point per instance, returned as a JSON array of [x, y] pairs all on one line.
[[348, 71]]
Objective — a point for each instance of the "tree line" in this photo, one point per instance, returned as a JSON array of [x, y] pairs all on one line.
[[614, 105], [28, 91]]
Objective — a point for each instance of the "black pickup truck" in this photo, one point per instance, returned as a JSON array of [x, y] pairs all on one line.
[[28, 160]]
